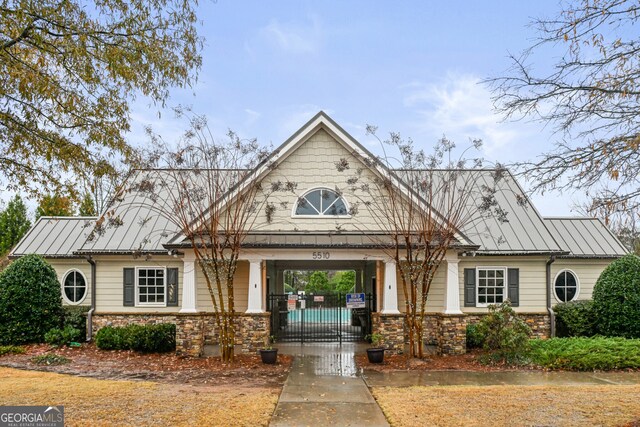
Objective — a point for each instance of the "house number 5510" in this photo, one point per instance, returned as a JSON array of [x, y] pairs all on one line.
[[321, 255]]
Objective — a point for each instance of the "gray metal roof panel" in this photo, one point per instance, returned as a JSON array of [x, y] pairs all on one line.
[[55, 237], [586, 237], [524, 231]]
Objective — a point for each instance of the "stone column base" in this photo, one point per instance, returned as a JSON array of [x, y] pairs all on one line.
[[392, 329]]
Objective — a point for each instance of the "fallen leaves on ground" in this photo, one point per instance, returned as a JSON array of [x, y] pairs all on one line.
[[583, 405], [465, 362], [89, 361], [94, 402]]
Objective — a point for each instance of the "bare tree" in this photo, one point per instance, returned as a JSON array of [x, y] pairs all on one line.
[[591, 97], [421, 204], [623, 222], [203, 187]]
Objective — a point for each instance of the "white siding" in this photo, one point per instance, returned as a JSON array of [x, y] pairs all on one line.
[[240, 289], [532, 280], [109, 289], [62, 266], [310, 166], [435, 300], [587, 271]]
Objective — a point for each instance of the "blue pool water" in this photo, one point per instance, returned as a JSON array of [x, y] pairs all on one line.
[[320, 315]]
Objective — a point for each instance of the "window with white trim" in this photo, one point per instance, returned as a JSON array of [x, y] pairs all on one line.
[[491, 285], [151, 286], [566, 286], [321, 202], [74, 287]]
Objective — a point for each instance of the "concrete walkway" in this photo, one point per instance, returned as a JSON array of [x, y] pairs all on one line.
[[324, 388], [449, 378]]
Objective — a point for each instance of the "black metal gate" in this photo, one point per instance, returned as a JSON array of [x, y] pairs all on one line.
[[319, 318]]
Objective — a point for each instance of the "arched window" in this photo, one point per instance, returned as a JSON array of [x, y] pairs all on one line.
[[74, 287], [323, 202], [566, 286]]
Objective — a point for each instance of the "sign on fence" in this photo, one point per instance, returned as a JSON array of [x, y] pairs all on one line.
[[356, 301]]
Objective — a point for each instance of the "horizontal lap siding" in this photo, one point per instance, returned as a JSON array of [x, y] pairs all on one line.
[[62, 266], [587, 270], [435, 299], [532, 280], [240, 288], [109, 284]]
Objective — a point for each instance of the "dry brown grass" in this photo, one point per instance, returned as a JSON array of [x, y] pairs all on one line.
[[584, 405], [89, 401]]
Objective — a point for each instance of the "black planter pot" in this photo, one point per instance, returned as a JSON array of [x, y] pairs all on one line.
[[375, 355], [269, 356]]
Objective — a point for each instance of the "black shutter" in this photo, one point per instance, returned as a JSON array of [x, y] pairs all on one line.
[[128, 287], [513, 286], [469, 287], [172, 287]]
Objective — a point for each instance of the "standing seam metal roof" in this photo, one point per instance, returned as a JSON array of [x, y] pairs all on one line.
[[55, 237], [585, 237]]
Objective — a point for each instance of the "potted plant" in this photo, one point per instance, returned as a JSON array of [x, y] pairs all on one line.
[[375, 354], [268, 354]]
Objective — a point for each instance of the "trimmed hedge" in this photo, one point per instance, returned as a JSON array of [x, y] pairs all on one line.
[[586, 354], [616, 298], [158, 338], [575, 319], [30, 301]]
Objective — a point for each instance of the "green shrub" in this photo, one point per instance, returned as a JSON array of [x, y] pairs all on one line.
[[586, 354], [62, 336], [575, 319], [10, 349], [475, 339], [157, 338], [76, 317], [505, 334], [616, 299], [30, 301], [50, 359]]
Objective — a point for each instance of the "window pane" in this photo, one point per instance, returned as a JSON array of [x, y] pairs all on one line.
[[482, 300], [499, 282], [314, 199], [143, 298], [338, 208], [328, 197], [304, 208], [491, 273], [571, 280], [482, 273], [571, 293], [68, 292], [561, 294], [500, 273]]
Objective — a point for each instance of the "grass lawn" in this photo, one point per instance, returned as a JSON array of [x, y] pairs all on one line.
[[95, 402], [584, 405]]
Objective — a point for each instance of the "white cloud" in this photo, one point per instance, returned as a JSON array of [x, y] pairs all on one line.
[[296, 38], [460, 107]]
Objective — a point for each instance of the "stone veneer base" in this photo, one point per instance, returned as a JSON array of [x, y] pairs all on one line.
[[194, 330]]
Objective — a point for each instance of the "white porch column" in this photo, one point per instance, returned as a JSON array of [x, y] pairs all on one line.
[[189, 283], [452, 295], [254, 305], [390, 291]]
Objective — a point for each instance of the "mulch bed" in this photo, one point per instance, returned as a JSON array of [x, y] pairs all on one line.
[[89, 361], [463, 362]]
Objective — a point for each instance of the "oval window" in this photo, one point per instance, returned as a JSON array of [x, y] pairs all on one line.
[[323, 202], [566, 286], [74, 287]]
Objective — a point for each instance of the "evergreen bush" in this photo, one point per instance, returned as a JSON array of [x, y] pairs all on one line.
[[157, 338], [505, 334], [575, 319], [616, 299], [30, 301]]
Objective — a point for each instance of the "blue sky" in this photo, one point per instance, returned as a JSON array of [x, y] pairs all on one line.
[[410, 67]]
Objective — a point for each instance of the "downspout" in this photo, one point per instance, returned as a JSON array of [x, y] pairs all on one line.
[[552, 315], [93, 298]]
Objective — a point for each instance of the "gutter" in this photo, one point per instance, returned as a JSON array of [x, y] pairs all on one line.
[[93, 298], [552, 315]]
